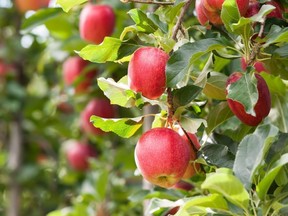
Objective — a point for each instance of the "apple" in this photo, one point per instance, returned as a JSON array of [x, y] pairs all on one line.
[[78, 155], [100, 107], [26, 5], [5, 69], [277, 12], [262, 107], [183, 185], [146, 72], [172, 211], [212, 9], [162, 156], [201, 16], [75, 73], [96, 22], [259, 66], [253, 9]]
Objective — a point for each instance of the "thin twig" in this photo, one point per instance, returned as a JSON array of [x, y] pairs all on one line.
[[148, 2]]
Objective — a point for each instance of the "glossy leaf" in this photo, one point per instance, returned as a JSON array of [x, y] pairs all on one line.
[[252, 151], [180, 61], [229, 13], [143, 23], [124, 127], [225, 183], [185, 95]]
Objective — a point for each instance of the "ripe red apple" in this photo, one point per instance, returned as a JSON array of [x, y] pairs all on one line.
[[262, 107], [259, 66], [202, 18], [212, 9], [277, 12], [146, 72], [100, 107], [26, 5], [96, 22], [162, 156], [75, 72], [78, 155]]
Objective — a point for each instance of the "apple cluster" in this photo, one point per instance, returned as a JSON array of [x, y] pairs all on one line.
[[96, 22]]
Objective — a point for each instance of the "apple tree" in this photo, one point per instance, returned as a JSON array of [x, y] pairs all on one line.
[[168, 107]]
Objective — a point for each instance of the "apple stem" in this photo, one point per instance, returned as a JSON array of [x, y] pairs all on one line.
[[147, 2]]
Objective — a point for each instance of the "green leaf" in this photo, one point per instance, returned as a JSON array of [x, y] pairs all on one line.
[[124, 127], [281, 108], [106, 51], [275, 84], [143, 23], [39, 18], [245, 92], [192, 124], [118, 92], [216, 86], [180, 61], [251, 153], [276, 35], [68, 4], [220, 113], [60, 26], [185, 95], [200, 203], [225, 183], [264, 185], [156, 20], [229, 13]]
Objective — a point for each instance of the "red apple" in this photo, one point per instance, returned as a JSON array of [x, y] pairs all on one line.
[[26, 5], [75, 72], [277, 12], [262, 107], [5, 69], [212, 9], [96, 22], [253, 9], [259, 66], [172, 211], [202, 18], [146, 72], [100, 107], [183, 185], [162, 156], [78, 155]]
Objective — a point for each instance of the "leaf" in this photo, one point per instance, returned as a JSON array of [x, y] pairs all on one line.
[[218, 155], [68, 4], [143, 23], [251, 153], [225, 183], [198, 203], [39, 18], [216, 86], [156, 20], [281, 109], [106, 51], [276, 35], [245, 92], [220, 113], [275, 84], [264, 185], [181, 60], [185, 95], [229, 13], [192, 124], [118, 92], [124, 127]]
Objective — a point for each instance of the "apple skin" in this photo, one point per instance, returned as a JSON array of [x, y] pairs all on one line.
[[262, 107], [73, 68], [212, 9], [26, 5], [259, 66], [162, 156], [277, 12], [96, 22], [183, 185], [146, 72], [78, 155], [172, 211], [201, 16], [253, 9], [100, 107]]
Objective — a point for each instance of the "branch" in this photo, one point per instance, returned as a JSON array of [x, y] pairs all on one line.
[[180, 19], [147, 2]]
